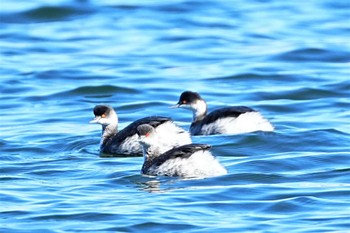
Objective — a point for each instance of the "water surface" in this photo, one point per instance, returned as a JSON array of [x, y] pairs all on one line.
[[289, 60]]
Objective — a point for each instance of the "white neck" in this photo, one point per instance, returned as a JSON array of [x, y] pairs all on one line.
[[199, 109], [109, 126], [151, 150], [108, 131]]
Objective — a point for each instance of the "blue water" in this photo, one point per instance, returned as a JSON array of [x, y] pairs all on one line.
[[288, 59]]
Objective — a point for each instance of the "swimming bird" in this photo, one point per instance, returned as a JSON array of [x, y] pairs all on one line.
[[228, 120], [187, 161], [125, 142]]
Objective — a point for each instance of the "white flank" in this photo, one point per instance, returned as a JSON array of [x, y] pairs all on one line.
[[199, 165], [170, 135], [244, 123]]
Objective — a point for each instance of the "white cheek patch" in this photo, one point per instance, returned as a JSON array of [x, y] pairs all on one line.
[[185, 106], [103, 121]]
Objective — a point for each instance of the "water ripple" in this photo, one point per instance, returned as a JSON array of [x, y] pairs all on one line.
[[48, 14], [315, 55], [288, 60]]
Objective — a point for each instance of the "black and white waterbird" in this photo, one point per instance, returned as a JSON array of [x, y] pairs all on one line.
[[187, 161], [228, 120], [125, 142]]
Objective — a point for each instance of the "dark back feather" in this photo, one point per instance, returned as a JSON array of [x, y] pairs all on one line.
[[226, 112], [184, 151]]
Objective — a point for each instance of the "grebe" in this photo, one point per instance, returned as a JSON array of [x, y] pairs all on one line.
[[125, 142], [187, 161], [228, 120]]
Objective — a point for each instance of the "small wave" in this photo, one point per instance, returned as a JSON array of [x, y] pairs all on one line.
[[315, 55], [88, 91], [307, 93], [105, 89], [252, 77], [12, 150], [80, 216], [337, 175], [47, 14], [11, 89]]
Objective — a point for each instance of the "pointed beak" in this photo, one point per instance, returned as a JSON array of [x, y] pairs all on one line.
[[175, 106], [95, 120]]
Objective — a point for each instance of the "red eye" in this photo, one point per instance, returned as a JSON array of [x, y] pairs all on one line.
[[103, 115], [184, 102], [147, 134]]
